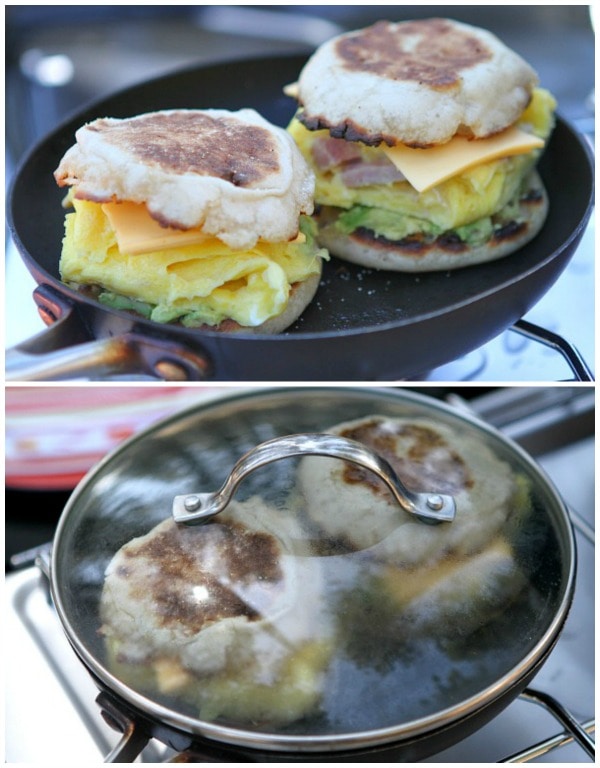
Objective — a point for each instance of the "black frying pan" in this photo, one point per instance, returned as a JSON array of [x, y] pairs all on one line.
[[362, 325]]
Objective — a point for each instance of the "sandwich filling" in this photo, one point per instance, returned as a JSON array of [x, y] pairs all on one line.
[[371, 192], [200, 283]]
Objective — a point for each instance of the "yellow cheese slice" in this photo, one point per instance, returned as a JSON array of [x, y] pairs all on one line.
[[137, 232], [424, 168], [408, 585]]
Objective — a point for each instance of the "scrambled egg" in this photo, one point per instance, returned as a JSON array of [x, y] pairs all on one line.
[[459, 201], [195, 284], [296, 691]]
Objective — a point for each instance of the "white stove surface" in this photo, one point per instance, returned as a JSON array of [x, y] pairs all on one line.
[[53, 718], [567, 309]]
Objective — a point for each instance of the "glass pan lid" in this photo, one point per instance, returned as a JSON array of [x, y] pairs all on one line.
[[312, 608]]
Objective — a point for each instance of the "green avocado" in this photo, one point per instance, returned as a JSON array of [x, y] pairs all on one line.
[[395, 226]]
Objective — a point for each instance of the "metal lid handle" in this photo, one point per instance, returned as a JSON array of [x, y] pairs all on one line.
[[431, 507]]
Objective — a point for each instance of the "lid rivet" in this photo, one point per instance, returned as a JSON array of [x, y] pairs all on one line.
[[191, 503], [435, 501]]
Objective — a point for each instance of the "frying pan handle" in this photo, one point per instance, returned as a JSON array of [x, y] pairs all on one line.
[[134, 738], [64, 351]]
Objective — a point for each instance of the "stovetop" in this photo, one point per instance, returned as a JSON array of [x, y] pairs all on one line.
[[53, 719]]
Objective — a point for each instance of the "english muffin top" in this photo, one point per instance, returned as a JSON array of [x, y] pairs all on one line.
[[430, 457], [415, 82], [233, 173]]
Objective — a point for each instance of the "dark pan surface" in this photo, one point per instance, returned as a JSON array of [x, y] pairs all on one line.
[[452, 312]]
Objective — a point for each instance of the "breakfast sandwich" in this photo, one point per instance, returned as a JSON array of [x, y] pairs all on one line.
[[350, 504], [450, 577], [424, 137], [200, 217], [222, 617]]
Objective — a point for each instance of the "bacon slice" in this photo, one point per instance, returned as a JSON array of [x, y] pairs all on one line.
[[363, 174], [329, 153]]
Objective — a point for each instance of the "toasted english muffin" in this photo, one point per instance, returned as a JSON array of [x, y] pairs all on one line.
[[415, 82], [192, 216], [231, 173], [222, 616], [441, 582]]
